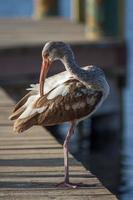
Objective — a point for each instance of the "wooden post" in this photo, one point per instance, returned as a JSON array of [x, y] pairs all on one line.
[[78, 10], [45, 8], [103, 19], [94, 19], [121, 15]]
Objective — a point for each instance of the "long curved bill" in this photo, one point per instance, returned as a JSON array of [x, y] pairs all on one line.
[[44, 70]]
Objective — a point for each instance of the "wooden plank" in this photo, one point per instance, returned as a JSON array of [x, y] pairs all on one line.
[[61, 193], [31, 165], [29, 32], [34, 168], [25, 32], [42, 197]]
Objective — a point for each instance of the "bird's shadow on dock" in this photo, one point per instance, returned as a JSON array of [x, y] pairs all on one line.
[[46, 185], [43, 179], [31, 180]]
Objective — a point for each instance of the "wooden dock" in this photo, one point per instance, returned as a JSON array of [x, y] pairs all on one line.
[[21, 42], [31, 164]]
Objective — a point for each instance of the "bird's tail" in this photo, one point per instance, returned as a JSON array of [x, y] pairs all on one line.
[[21, 125], [16, 113], [19, 107]]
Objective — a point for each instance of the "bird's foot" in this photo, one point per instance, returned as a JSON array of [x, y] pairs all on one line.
[[67, 185]]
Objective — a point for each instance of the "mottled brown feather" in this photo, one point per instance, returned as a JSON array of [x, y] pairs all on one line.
[[21, 102], [18, 109], [17, 113], [21, 125], [57, 112]]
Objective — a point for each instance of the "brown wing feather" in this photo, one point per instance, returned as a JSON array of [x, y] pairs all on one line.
[[62, 108], [21, 125], [18, 109], [21, 102]]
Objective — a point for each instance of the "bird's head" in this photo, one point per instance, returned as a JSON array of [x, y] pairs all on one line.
[[52, 51], [55, 51]]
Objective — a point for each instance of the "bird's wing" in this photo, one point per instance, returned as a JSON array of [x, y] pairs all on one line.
[[66, 102], [50, 83]]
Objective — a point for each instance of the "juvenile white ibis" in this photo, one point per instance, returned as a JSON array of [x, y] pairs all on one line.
[[69, 96]]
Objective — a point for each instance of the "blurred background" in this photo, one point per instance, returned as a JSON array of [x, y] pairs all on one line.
[[100, 32]]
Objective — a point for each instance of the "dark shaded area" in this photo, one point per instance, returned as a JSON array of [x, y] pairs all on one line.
[[41, 185]]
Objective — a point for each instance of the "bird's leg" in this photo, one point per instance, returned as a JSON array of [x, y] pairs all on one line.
[[66, 146], [66, 182]]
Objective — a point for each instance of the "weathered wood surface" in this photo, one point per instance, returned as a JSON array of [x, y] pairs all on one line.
[[21, 42], [31, 164], [25, 32]]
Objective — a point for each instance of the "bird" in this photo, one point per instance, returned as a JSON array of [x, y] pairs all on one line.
[[69, 96]]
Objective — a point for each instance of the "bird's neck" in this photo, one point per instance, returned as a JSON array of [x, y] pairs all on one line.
[[73, 68], [78, 72]]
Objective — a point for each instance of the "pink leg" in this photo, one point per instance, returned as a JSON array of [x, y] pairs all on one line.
[[66, 182]]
